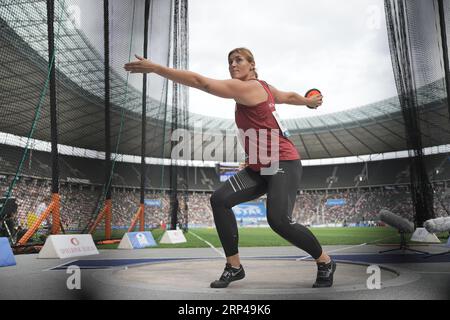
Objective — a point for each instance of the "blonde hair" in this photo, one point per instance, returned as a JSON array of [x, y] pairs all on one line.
[[248, 55]]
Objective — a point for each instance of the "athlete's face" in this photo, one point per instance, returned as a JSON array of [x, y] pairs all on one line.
[[239, 66]]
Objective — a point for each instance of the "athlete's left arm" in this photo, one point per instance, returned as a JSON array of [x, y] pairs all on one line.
[[240, 91], [295, 99]]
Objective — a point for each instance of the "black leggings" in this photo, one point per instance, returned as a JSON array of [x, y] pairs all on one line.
[[281, 189]]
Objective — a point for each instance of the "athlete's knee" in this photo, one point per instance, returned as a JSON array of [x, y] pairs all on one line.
[[279, 223], [218, 200]]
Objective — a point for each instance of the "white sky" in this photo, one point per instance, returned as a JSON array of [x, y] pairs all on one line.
[[339, 47]]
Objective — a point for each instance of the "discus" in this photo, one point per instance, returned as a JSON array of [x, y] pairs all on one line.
[[311, 93]]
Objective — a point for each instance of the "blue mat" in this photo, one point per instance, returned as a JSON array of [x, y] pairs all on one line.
[[114, 263], [364, 258]]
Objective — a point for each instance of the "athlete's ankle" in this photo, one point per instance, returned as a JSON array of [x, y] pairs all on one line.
[[324, 258], [234, 261]]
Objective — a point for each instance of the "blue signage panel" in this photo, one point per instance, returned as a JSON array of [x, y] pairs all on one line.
[[6, 254], [227, 175], [336, 202], [140, 240], [152, 203], [250, 210]]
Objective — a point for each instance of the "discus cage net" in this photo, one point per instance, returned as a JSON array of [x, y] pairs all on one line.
[[76, 129], [418, 33], [66, 100]]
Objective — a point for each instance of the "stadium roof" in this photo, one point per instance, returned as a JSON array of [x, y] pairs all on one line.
[[374, 128]]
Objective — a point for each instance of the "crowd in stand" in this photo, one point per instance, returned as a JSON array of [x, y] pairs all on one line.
[[358, 206], [81, 203]]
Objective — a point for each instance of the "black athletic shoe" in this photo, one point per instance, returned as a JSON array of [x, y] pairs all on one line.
[[229, 275], [325, 272]]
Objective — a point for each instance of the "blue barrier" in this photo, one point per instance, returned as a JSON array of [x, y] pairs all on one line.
[[6, 254], [140, 240]]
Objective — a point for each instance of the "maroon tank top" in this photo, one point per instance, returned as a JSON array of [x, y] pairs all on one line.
[[252, 120]]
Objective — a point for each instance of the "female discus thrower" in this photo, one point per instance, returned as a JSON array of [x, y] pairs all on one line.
[[255, 104]]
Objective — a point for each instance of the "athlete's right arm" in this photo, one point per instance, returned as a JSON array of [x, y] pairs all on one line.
[[295, 99], [229, 89]]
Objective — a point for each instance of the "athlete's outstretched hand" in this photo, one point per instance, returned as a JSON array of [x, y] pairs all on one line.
[[141, 65], [315, 101]]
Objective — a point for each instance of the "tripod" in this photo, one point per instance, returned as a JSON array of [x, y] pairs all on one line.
[[403, 245]]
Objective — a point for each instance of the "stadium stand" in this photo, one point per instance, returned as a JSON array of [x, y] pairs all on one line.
[[385, 186]]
